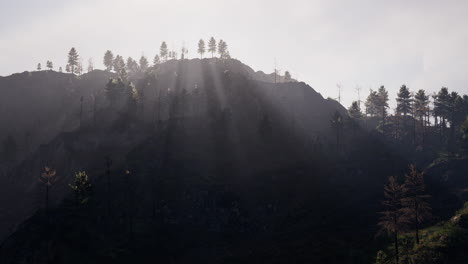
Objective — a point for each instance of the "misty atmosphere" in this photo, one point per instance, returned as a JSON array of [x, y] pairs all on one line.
[[220, 132]]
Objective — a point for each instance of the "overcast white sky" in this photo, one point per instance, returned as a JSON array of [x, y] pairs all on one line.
[[366, 43]]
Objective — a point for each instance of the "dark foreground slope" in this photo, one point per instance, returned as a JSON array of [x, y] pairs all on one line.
[[223, 168]]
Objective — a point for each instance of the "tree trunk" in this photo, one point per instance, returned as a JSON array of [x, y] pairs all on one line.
[[397, 257]]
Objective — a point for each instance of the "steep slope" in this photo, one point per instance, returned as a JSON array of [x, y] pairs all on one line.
[[214, 154]]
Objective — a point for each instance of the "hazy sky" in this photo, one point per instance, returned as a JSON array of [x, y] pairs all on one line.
[[366, 43]]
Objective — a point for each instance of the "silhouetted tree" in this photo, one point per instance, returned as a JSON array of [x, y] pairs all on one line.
[[73, 58], [421, 107], [212, 46], [415, 201], [287, 76], [355, 111], [156, 60], [109, 60], [67, 68], [81, 187], [393, 219], [222, 49], [404, 101], [183, 52], [371, 103], [60, 69], [119, 67], [163, 51], [49, 178], [39, 67], [144, 63], [132, 66], [201, 48], [79, 68], [382, 104], [49, 65]]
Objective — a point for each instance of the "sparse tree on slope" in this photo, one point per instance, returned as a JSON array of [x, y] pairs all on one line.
[[222, 49], [156, 60], [73, 60], [60, 69], [39, 67], [163, 51], [212, 46], [67, 68], [201, 48], [109, 60], [49, 65], [415, 201], [81, 187], [393, 219]]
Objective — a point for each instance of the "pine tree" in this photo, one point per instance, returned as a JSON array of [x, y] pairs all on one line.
[[73, 59], [144, 63], [132, 66], [49, 65], [382, 105], [212, 46], [109, 60], [394, 219], [60, 69], [222, 49], [119, 67], [39, 67], [421, 107], [371, 103], [404, 101], [201, 48], [81, 187], [415, 201], [355, 111], [67, 68], [156, 60], [163, 51]]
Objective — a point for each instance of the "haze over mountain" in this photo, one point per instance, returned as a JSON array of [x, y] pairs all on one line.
[[360, 43], [348, 143]]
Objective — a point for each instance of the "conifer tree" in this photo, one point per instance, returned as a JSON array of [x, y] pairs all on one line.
[[60, 69], [415, 201], [144, 63], [404, 101], [393, 219], [212, 46], [67, 68], [371, 104], [163, 51], [222, 49], [382, 104], [421, 107], [90, 65], [81, 187], [39, 67], [201, 48], [109, 60], [355, 111], [49, 65], [73, 60], [156, 60]]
